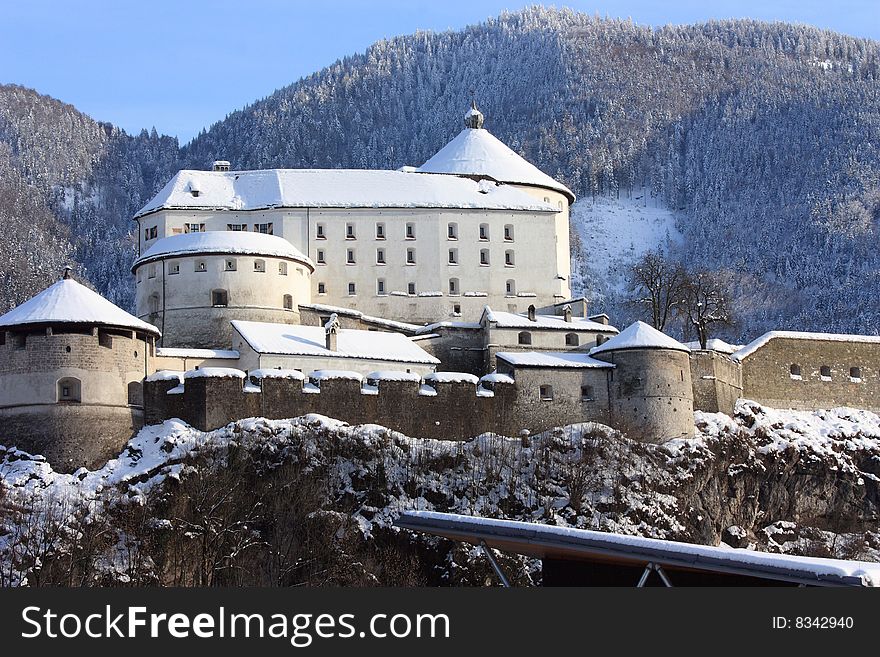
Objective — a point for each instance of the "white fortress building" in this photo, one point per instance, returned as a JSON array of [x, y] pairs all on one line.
[[475, 225]]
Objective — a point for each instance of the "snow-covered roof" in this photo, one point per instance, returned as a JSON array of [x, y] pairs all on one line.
[[259, 375], [345, 375], [223, 241], [543, 541], [357, 314], [393, 375], [69, 302], [756, 344], [495, 377], [215, 373], [334, 188], [452, 377], [515, 320], [477, 152], [182, 352], [288, 339], [639, 336], [714, 344], [566, 359]]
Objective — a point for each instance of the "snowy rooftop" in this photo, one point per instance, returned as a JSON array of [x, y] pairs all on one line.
[[543, 541], [69, 302], [288, 339], [348, 312], [639, 336], [714, 344], [756, 344], [223, 241], [515, 320], [334, 188], [476, 151], [567, 359], [185, 352]]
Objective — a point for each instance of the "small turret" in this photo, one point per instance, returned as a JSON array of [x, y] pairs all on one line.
[[532, 313], [68, 273], [474, 117], [331, 328]]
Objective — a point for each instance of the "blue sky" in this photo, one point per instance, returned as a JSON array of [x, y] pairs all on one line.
[[180, 66]]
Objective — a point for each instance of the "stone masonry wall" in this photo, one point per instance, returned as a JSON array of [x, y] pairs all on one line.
[[717, 382], [767, 375]]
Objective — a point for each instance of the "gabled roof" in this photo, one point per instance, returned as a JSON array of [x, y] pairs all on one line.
[[477, 152], [563, 359], [756, 344], [223, 241], [551, 322], [639, 336], [69, 302], [294, 340], [333, 188]]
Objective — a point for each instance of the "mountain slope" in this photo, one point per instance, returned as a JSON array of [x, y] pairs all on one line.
[[761, 139]]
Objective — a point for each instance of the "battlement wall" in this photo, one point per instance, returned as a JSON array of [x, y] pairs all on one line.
[[717, 382], [446, 410]]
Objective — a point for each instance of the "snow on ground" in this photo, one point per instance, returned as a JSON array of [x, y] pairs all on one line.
[[616, 232]]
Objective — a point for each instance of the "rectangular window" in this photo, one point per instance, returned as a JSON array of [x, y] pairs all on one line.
[[320, 232], [152, 271], [349, 256], [154, 232], [230, 264], [508, 232], [264, 228], [282, 269], [349, 231], [194, 228], [453, 256], [174, 268], [452, 231], [410, 231], [484, 257], [380, 231], [587, 393], [351, 289], [410, 256], [322, 260], [508, 259], [236, 227], [201, 265], [484, 232], [380, 286], [380, 256], [260, 265], [322, 288], [411, 288]]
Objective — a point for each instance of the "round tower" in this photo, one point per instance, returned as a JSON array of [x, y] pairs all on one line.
[[71, 370], [651, 396], [193, 285]]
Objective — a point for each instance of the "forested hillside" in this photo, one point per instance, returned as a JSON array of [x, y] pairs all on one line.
[[762, 138]]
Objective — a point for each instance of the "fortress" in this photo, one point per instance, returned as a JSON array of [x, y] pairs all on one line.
[[432, 300]]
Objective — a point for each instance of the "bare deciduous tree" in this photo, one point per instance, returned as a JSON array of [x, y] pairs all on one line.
[[657, 283], [706, 302]]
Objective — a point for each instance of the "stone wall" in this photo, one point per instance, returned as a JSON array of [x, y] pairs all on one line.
[[767, 377], [717, 382], [459, 349], [651, 394], [455, 412]]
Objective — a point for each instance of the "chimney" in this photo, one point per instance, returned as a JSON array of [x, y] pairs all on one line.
[[331, 328], [67, 272], [532, 313], [220, 165], [566, 313]]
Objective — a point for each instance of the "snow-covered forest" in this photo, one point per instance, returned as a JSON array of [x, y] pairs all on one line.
[[761, 138]]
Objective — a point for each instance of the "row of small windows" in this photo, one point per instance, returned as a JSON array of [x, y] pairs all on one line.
[[351, 257], [268, 228], [545, 392], [454, 290], [855, 373], [230, 264], [571, 339], [409, 231]]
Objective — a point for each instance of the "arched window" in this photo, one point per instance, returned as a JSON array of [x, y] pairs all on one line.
[[135, 394], [795, 371], [288, 302], [525, 337], [484, 232], [219, 298], [509, 260], [200, 265], [825, 373], [69, 390], [508, 232], [572, 340], [510, 287]]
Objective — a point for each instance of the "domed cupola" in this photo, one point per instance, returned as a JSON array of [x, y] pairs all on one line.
[[473, 118]]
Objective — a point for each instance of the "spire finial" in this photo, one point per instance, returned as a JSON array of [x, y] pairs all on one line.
[[474, 117], [67, 273]]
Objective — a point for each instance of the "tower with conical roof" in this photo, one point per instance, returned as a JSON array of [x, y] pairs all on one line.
[[71, 371]]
